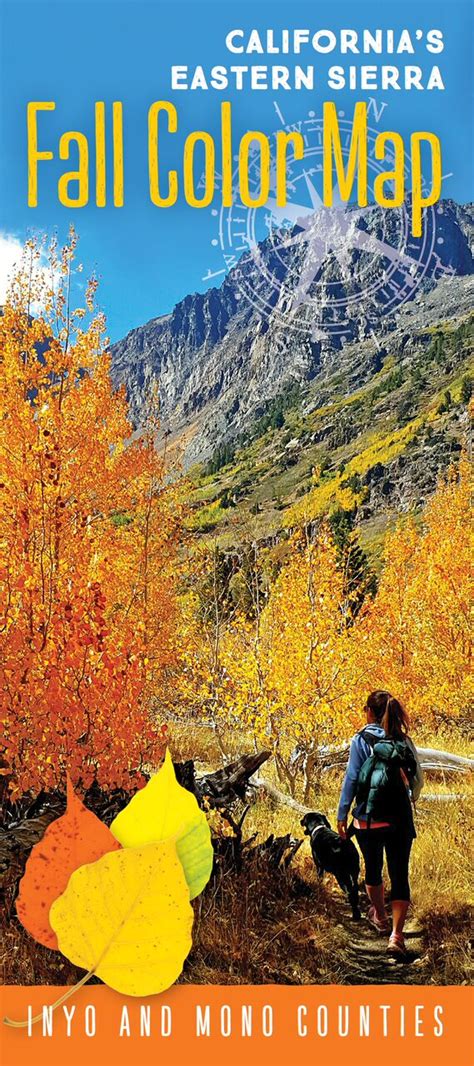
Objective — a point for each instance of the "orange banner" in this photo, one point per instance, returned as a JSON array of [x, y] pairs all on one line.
[[265, 1024]]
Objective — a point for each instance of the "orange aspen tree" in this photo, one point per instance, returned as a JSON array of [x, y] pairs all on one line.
[[88, 541]]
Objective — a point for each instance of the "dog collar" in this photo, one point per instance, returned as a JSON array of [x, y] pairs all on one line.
[[318, 827]]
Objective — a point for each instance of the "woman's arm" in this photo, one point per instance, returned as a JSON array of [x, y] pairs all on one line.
[[357, 757], [419, 778]]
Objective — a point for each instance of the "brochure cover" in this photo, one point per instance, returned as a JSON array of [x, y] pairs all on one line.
[[237, 277]]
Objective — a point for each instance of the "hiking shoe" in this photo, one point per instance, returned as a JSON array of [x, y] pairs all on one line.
[[382, 925], [396, 945]]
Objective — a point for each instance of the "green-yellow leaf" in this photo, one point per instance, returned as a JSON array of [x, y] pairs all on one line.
[[127, 917], [165, 809]]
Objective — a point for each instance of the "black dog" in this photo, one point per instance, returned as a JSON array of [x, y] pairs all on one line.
[[335, 856]]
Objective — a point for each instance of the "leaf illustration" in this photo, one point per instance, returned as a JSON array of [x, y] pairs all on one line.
[[70, 841], [127, 918], [165, 809]]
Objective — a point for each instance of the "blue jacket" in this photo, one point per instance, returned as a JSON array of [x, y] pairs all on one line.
[[359, 751]]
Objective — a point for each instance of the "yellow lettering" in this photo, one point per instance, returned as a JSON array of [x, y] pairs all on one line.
[[397, 175], [100, 190], [357, 154], [418, 200], [81, 175], [117, 134], [283, 140], [33, 154], [263, 142], [153, 154], [226, 127], [209, 168]]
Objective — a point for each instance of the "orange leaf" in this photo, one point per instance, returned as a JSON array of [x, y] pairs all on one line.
[[73, 840]]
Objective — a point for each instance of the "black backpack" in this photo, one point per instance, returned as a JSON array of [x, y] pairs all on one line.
[[381, 789]]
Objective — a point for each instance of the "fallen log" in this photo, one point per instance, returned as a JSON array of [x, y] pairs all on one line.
[[279, 797], [221, 788], [432, 759], [333, 758], [232, 854], [288, 801], [277, 852]]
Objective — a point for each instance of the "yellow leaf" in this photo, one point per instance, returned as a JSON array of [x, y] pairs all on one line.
[[127, 918], [165, 809]]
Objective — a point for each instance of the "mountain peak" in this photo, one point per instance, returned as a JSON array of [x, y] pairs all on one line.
[[287, 311]]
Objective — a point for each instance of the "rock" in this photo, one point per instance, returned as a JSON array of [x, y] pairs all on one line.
[[219, 359]]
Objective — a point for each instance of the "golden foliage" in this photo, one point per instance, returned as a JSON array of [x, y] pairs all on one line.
[[87, 545], [299, 666], [92, 630], [417, 629]]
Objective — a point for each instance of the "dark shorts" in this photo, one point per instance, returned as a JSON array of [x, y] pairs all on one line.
[[396, 842]]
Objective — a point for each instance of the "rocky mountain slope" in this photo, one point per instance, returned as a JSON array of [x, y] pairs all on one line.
[[218, 356], [371, 438], [299, 359]]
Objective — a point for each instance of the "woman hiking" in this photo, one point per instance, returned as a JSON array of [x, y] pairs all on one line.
[[383, 775]]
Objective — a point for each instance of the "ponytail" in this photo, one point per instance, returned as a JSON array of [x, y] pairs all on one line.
[[388, 713]]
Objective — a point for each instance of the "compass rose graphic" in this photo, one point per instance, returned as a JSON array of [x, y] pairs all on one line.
[[391, 264]]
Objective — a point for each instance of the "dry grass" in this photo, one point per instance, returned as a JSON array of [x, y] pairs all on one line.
[[260, 926], [265, 926], [441, 868]]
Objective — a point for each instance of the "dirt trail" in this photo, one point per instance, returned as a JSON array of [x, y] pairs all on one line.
[[365, 958]]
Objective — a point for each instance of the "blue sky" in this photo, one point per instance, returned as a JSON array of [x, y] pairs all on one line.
[[77, 53]]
